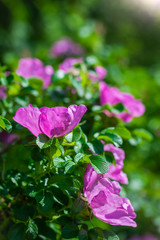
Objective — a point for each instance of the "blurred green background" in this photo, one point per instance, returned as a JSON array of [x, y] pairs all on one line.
[[126, 40]]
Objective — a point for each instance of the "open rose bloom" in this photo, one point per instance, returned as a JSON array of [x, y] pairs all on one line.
[[56, 121], [103, 197], [112, 96], [33, 67]]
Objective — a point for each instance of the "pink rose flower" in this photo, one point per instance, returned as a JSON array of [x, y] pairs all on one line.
[[113, 96], [66, 47], [99, 74], [68, 64], [115, 171], [3, 92], [144, 237], [56, 121], [33, 67], [103, 197]]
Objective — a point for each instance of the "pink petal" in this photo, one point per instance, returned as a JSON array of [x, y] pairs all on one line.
[[29, 118], [59, 121]]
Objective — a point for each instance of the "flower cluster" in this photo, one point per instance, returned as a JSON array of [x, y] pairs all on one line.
[[101, 191]]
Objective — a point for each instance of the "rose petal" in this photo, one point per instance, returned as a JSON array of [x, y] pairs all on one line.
[[29, 118]]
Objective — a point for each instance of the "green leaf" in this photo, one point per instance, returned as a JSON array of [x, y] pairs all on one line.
[[78, 157], [111, 137], [17, 231], [121, 131], [35, 83], [59, 196], [43, 141], [32, 230], [63, 181], [58, 162], [59, 146], [142, 133], [99, 164], [74, 136], [69, 166], [45, 201], [109, 235], [5, 124], [70, 231], [95, 146]]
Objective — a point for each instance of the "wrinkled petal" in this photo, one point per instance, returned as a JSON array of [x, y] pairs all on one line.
[[29, 117], [59, 121], [113, 96]]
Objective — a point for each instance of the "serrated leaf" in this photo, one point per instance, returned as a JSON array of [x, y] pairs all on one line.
[[58, 162], [99, 164], [68, 167], [78, 157]]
